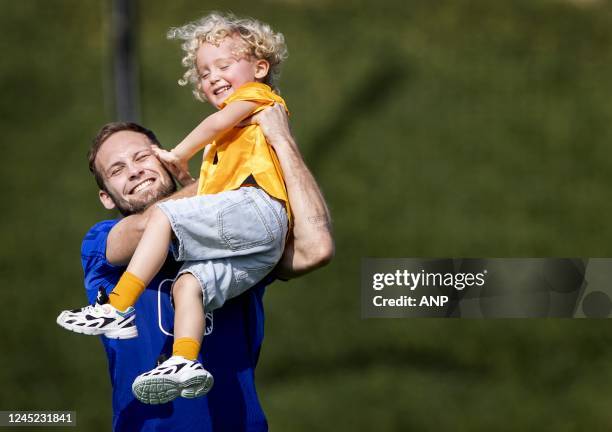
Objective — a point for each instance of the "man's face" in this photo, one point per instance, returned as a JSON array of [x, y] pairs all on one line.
[[133, 176]]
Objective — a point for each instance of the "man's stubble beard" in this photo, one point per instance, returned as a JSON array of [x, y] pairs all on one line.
[[127, 208]]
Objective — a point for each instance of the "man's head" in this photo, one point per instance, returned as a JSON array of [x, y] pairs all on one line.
[[126, 170]]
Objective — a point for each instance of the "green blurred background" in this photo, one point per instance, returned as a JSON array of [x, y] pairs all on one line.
[[436, 128]]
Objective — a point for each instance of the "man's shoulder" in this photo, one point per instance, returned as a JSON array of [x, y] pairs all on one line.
[[95, 238], [101, 227]]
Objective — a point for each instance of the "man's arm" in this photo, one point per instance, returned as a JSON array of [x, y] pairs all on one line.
[[125, 235], [312, 245]]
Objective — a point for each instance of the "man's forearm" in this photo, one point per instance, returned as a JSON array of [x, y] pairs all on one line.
[[312, 244], [125, 235]]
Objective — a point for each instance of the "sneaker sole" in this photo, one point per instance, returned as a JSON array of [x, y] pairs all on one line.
[[159, 390], [123, 333]]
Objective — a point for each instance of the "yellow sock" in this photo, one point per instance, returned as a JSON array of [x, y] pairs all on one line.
[[126, 292], [186, 347]]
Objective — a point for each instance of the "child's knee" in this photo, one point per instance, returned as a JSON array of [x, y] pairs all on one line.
[[186, 287], [158, 217]]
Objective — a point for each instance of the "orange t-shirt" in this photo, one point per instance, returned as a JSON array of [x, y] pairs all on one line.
[[243, 151]]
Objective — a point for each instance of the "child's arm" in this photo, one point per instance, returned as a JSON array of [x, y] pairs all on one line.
[[213, 126]]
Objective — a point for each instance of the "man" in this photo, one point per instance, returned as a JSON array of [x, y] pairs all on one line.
[[131, 179]]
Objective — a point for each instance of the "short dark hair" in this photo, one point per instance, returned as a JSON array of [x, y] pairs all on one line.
[[105, 133]]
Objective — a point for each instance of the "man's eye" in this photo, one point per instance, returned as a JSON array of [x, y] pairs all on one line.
[[142, 157], [115, 171]]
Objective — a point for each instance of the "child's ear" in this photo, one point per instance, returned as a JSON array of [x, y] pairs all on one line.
[[262, 67], [106, 200]]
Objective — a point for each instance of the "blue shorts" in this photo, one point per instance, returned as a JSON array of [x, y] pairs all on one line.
[[228, 241]]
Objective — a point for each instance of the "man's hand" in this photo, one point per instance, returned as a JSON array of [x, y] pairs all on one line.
[[177, 167], [274, 124]]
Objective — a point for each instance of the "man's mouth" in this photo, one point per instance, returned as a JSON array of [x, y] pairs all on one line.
[[141, 186], [221, 90]]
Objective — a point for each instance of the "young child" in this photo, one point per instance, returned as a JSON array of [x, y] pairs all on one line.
[[233, 233]]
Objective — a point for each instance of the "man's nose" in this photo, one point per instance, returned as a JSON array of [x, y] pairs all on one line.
[[135, 171]]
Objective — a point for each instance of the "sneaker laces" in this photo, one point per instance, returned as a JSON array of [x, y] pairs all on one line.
[[93, 309]]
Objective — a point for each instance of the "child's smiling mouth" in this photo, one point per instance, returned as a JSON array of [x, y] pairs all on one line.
[[220, 90]]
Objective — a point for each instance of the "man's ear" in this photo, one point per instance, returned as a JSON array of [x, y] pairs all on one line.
[[106, 200], [262, 67]]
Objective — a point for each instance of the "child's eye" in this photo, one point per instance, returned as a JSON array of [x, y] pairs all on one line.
[[224, 67], [204, 75]]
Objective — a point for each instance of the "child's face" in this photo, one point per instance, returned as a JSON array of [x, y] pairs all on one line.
[[222, 70]]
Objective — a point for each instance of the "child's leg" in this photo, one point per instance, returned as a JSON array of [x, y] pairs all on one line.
[[182, 374], [147, 260], [229, 225], [250, 230], [188, 316]]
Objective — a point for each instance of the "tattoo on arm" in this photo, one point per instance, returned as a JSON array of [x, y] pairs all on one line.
[[320, 221], [317, 220]]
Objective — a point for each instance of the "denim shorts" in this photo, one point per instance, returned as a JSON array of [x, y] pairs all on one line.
[[228, 241]]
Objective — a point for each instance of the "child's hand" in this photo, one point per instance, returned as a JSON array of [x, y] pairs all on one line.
[[177, 166]]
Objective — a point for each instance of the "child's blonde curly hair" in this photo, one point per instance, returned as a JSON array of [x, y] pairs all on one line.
[[259, 42]]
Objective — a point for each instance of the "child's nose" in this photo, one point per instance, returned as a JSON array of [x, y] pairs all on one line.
[[213, 77]]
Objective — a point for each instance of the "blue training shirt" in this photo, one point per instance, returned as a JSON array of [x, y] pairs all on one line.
[[234, 334]]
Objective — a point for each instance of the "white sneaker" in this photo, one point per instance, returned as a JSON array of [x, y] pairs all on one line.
[[100, 319], [175, 377]]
